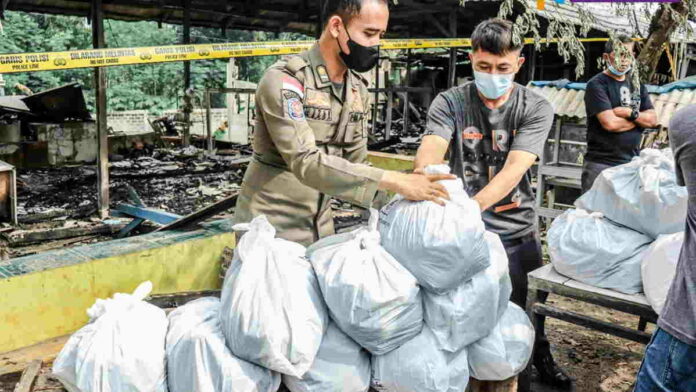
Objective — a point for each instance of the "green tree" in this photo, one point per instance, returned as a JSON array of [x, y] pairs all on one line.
[[153, 87]]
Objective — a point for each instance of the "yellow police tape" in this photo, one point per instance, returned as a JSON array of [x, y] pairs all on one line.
[[29, 62]]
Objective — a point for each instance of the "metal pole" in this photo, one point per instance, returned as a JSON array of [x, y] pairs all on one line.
[[406, 100], [187, 69], [2, 86], [208, 120], [376, 102], [102, 137], [531, 63]]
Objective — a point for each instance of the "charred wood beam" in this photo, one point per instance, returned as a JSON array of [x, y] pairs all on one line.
[[102, 133], [168, 301], [25, 237], [202, 214]]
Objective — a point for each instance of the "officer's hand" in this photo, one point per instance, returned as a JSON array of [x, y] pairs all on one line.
[[623, 112], [418, 187]]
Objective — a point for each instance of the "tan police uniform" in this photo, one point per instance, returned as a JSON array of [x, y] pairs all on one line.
[[309, 144]]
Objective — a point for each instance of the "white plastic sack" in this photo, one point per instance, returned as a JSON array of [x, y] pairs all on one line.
[[272, 312], [372, 298], [469, 312], [506, 350], [120, 350], [419, 366], [594, 250], [340, 366], [441, 246], [198, 360], [642, 194], [658, 268]]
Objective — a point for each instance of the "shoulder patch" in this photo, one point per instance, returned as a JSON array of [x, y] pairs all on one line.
[[294, 108], [323, 74], [292, 84]]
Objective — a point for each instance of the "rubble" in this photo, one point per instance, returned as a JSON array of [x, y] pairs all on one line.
[[179, 181], [401, 141]]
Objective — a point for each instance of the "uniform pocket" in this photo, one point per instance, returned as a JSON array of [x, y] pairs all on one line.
[[323, 130], [356, 129]]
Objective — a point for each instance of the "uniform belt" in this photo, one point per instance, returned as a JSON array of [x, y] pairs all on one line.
[[270, 160]]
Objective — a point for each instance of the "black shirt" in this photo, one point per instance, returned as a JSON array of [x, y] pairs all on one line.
[[606, 93]]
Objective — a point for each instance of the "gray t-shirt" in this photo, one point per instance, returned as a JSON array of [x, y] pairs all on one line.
[[480, 140], [678, 316]]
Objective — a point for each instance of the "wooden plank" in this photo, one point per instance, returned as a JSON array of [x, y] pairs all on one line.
[[178, 299], [564, 182], [548, 273], [28, 376], [590, 294], [561, 171], [596, 299], [23, 237], [636, 298], [548, 212], [592, 323], [202, 214], [151, 214], [16, 361]]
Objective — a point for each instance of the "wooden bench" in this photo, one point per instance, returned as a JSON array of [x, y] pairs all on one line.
[[546, 279]]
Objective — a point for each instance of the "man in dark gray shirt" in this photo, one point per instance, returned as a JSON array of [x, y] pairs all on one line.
[[495, 129], [670, 358]]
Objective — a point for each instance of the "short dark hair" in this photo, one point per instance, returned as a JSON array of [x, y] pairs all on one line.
[[494, 36], [609, 45], [346, 9]]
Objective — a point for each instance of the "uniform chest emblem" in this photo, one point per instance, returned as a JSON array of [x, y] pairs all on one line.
[[317, 99]]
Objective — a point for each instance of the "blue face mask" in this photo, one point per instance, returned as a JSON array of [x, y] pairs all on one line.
[[616, 71], [493, 86]]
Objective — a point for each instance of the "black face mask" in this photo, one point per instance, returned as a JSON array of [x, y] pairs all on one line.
[[361, 58]]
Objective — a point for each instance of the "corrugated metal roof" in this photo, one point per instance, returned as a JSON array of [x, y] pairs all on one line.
[[607, 17], [571, 103]]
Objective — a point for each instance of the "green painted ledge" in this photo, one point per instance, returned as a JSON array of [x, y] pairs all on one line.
[[46, 295]]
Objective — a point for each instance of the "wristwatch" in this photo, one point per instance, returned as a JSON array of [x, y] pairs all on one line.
[[634, 115]]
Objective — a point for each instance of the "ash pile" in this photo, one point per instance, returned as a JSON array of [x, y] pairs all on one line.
[[57, 206]]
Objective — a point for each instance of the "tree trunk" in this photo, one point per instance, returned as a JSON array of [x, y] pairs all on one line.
[[663, 24]]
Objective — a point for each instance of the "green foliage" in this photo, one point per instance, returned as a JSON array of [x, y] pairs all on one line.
[[153, 87]]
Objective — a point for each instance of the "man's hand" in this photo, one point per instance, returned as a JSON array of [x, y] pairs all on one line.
[[623, 112], [417, 187]]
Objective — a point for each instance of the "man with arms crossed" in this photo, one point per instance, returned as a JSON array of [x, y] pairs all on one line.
[[616, 114]]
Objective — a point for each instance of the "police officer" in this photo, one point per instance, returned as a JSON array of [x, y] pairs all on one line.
[[310, 139]]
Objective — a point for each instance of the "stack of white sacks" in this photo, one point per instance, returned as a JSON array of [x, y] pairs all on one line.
[[417, 301], [627, 230]]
